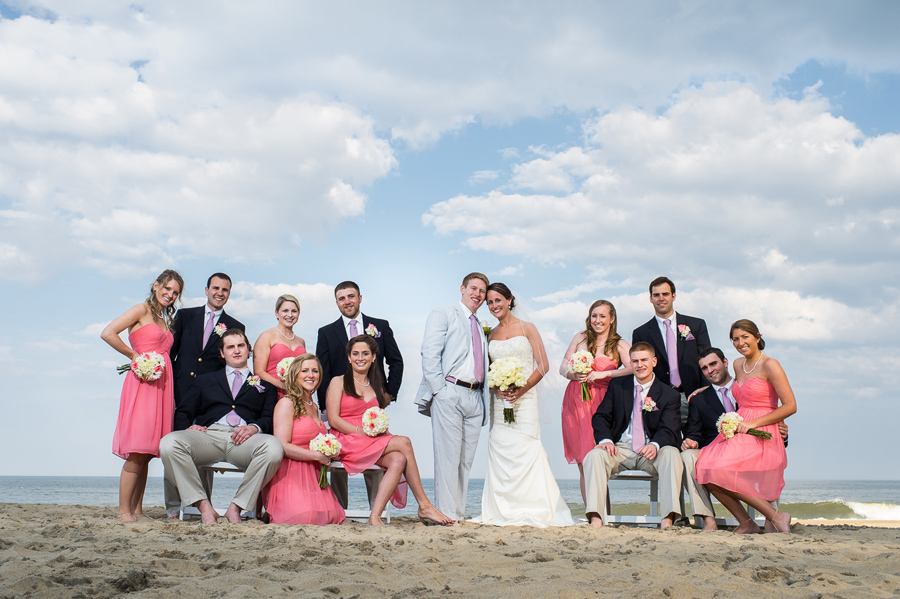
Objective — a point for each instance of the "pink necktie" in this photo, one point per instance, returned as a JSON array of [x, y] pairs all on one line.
[[478, 351], [232, 417], [672, 354], [638, 439], [729, 406], [354, 332], [209, 328]]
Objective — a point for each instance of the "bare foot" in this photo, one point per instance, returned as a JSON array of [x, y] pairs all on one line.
[[709, 523], [173, 517], [431, 515], [233, 514], [769, 527], [747, 527], [596, 522], [781, 521], [375, 521], [127, 518], [668, 521], [207, 514]]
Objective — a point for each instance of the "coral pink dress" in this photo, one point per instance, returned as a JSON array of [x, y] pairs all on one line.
[[578, 435], [744, 463], [294, 496], [146, 408], [279, 352], [358, 450]]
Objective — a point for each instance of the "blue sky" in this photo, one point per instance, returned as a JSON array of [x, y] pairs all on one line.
[[749, 152]]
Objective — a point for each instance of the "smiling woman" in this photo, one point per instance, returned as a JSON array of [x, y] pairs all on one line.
[[278, 343], [147, 405]]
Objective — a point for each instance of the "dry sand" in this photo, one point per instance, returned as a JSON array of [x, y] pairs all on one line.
[[77, 551]]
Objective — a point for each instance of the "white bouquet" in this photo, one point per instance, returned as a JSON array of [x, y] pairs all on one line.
[[727, 425], [282, 367], [374, 421], [148, 366], [582, 362], [329, 446], [506, 373]]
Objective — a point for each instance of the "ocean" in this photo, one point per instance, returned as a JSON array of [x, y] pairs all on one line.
[[806, 499]]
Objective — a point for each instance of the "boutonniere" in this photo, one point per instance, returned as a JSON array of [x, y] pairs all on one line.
[[255, 382], [685, 332], [372, 331], [648, 405], [220, 329], [485, 327]]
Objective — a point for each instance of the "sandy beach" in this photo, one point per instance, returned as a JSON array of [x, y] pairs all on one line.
[[80, 551]]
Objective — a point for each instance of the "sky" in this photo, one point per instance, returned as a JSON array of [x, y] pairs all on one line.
[[575, 151]]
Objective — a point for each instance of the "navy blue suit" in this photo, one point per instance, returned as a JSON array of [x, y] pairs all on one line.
[[189, 359], [688, 351]]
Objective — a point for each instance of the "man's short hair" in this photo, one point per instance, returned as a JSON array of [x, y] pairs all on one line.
[[218, 275], [475, 275], [346, 285], [662, 281], [712, 350], [642, 346], [229, 333]]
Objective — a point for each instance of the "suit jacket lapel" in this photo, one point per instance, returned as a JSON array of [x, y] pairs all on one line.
[[223, 380], [658, 341], [340, 334], [679, 342]]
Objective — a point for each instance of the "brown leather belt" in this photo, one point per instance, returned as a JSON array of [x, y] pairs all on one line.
[[472, 386]]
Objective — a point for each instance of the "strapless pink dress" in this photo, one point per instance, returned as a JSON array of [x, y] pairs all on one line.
[[279, 352], [744, 463], [578, 435], [146, 408], [294, 496], [358, 450]]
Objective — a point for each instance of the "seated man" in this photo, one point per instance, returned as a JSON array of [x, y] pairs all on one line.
[[706, 406], [224, 417], [637, 427]]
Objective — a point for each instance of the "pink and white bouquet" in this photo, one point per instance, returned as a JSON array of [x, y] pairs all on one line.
[[282, 367], [374, 421], [648, 405], [220, 329], [328, 446], [582, 362], [506, 373], [148, 366], [727, 425], [372, 331]]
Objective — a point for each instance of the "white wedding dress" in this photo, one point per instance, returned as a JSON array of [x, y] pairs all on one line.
[[519, 489]]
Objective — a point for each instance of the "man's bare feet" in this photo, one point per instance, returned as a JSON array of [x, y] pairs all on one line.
[[207, 514], [127, 518], [431, 515], [233, 514], [709, 523], [173, 517], [668, 521], [596, 521], [747, 527], [781, 521]]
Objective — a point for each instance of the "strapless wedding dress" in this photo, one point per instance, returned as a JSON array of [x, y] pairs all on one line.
[[519, 488]]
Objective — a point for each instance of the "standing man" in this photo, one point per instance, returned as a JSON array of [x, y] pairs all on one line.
[[677, 339], [453, 391], [705, 409], [636, 427], [195, 351], [226, 416], [331, 349]]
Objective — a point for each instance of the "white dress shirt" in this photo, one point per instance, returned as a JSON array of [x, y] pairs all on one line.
[[229, 374], [673, 322], [361, 329]]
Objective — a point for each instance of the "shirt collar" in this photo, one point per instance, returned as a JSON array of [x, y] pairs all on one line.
[[646, 385], [207, 310]]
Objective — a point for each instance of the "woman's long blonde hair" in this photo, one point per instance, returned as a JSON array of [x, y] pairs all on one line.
[[292, 387]]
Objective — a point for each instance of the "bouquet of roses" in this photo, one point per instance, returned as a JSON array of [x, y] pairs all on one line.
[[506, 373], [282, 367], [582, 362], [727, 425], [329, 446], [374, 421], [148, 366]]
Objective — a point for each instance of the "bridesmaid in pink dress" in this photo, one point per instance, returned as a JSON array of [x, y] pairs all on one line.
[[746, 468], [610, 351], [347, 398], [146, 408], [294, 496], [279, 342]]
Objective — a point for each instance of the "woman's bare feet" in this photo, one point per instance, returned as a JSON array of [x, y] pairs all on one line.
[[375, 521], [143, 518], [709, 523], [127, 518], [432, 514], [782, 522], [747, 527]]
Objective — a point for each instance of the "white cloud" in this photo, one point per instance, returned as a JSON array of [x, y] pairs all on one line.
[[479, 177]]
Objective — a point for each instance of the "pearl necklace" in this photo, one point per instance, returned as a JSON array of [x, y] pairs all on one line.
[[744, 365], [363, 384], [291, 338]]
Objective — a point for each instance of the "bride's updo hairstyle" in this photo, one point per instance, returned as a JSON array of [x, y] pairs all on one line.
[[505, 292], [750, 327]]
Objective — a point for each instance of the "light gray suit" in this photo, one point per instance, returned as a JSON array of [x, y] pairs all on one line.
[[457, 414]]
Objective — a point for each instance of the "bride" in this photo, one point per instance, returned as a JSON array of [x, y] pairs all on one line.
[[519, 489]]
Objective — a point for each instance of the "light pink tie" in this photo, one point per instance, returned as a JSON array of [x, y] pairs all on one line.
[[354, 332], [638, 439], [672, 354], [209, 328], [478, 350], [726, 401], [232, 417]]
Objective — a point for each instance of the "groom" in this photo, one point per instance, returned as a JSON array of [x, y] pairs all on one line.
[[453, 391]]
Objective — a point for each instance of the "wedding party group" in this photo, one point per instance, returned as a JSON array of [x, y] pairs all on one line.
[[666, 404]]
